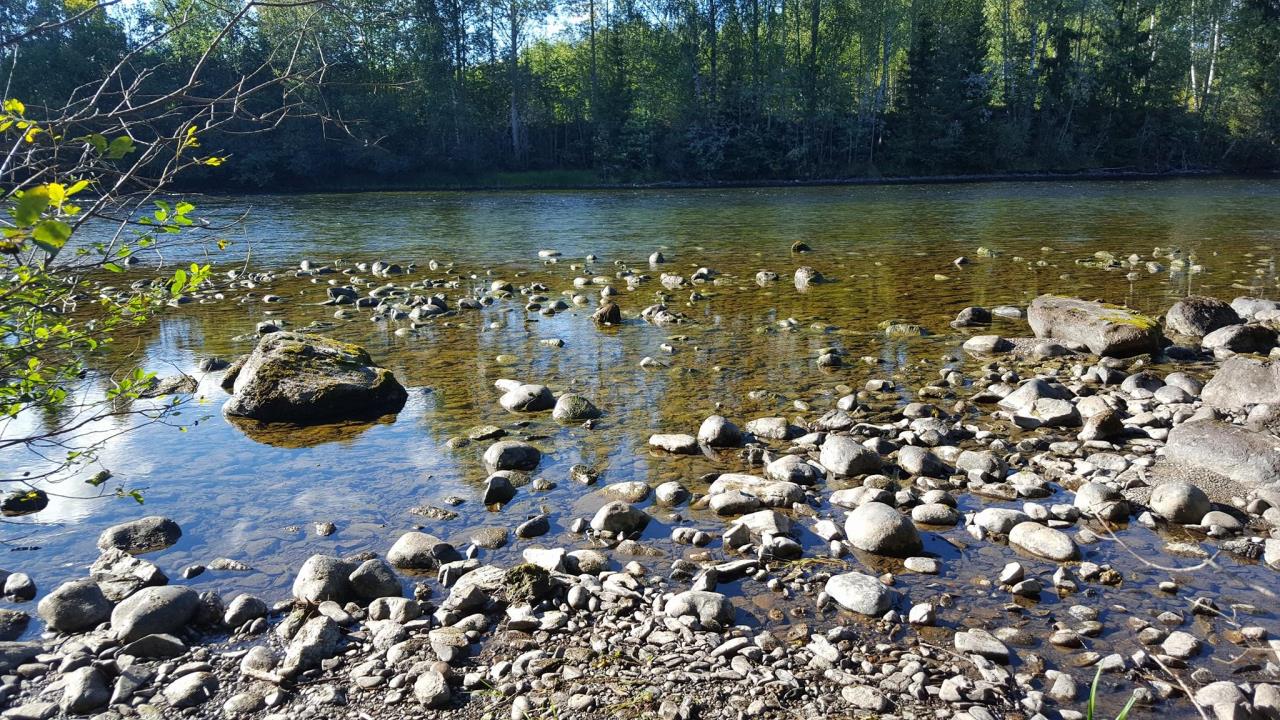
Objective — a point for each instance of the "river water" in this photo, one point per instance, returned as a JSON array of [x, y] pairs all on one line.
[[887, 251]]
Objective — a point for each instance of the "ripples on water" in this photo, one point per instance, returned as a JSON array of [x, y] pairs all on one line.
[[255, 499]]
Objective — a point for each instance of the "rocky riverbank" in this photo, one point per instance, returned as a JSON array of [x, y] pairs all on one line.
[[1048, 449]]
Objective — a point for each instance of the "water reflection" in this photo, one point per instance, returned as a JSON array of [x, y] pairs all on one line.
[[252, 493]]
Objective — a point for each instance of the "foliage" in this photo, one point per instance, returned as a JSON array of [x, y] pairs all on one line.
[[728, 89], [91, 140], [1091, 708]]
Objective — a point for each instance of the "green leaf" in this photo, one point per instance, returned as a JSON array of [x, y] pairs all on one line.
[[30, 205], [51, 235], [179, 281], [98, 478], [119, 147]]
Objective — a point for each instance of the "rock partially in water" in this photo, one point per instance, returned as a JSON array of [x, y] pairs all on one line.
[[677, 443], [1043, 541], [572, 407], [619, 517], [527, 398], [305, 379], [321, 578], [420, 551], [880, 529], [74, 606], [608, 314], [1100, 500], [1250, 458], [1107, 330], [120, 574], [717, 431], [770, 493], [140, 536], [860, 593], [512, 455], [1197, 316]]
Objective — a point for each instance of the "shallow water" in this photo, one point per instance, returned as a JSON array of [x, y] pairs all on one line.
[[254, 496]]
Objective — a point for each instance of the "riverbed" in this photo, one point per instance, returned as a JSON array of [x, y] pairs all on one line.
[[749, 350]]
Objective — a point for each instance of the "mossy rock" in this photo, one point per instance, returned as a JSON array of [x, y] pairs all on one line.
[[527, 583], [308, 379]]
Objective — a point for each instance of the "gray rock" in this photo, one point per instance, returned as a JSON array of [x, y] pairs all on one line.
[[1105, 329], [83, 691], [74, 606], [1248, 338], [717, 431], [619, 517], [154, 611], [323, 577], [920, 461], [712, 609], [140, 536], [981, 642], [770, 493], [512, 455], [1000, 521], [120, 574], [305, 379], [498, 489], [846, 456], [1249, 307], [1242, 382], [1197, 316], [420, 551], [1179, 501], [794, 469], [860, 593], [935, 514], [987, 345], [432, 690], [158, 646], [880, 529], [1043, 541], [675, 443], [572, 407], [528, 398], [1103, 501], [242, 609], [317, 640], [191, 690], [1250, 458], [772, 428], [374, 579]]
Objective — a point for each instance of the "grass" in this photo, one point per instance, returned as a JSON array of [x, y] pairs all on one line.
[[1091, 708]]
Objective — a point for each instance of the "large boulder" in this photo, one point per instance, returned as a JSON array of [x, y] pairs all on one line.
[[1198, 316], [306, 379], [323, 577], [878, 528], [1250, 458], [1106, 330], [1249, 338], [1242, 382]]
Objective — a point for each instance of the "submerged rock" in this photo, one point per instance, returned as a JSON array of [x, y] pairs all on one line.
[[140, 536], [1106, 330], [306, 379]]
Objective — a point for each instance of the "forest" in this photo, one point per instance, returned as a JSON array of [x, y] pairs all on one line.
[[421, 93]]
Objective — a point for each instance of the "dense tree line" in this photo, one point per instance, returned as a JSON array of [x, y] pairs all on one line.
[[454, 91]]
